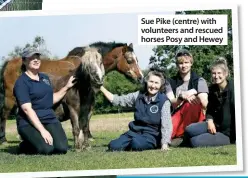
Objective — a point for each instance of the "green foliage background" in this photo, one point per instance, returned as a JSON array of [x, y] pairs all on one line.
[[118, 84], [203, 55], [18, 5]]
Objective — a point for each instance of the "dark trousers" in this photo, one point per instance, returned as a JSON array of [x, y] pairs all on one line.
[[132, 141], [34, 143], [198, 136]]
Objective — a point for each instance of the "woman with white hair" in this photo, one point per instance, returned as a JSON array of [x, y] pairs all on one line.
[[152, 126]]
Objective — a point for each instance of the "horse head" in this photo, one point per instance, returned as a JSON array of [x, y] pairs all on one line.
[[127, 63], [116, 56], [92, 67]]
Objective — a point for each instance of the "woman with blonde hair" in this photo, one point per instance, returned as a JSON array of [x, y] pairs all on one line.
[[219, 127]]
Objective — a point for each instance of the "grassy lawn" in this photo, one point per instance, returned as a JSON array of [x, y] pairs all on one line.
[[105, 128]]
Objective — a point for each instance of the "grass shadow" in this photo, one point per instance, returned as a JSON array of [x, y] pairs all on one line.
[[11, 150], [14, 142], [102, 145]]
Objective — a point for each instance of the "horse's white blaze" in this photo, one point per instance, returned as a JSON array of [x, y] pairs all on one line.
[[131, 72], [135, 59], [99, 72], [81, 135]]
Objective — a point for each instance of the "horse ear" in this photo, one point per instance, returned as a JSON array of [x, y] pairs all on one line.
[[99, 50], [131, 45], [124, 49]]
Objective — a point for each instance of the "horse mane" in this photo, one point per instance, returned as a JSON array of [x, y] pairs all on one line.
[[106, 47], [2, 91], [77, 51], [102, 47], [86, 70], [90, 58]]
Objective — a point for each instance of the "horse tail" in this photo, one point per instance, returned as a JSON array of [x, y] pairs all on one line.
[[2, 90]]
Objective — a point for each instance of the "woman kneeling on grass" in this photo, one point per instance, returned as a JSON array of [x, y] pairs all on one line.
[[37, 124], [219, 128], [152, 126]]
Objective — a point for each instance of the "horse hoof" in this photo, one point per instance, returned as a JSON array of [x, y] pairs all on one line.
[[86, 147], [91, 139], [19, 137], [78, 150], [3, 141]]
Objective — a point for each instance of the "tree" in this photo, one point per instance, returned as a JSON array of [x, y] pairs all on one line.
[[16, 5], [116, 83], [39, 42], [203, 55]]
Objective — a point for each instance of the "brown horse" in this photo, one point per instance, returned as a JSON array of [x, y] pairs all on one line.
[[116, 56]]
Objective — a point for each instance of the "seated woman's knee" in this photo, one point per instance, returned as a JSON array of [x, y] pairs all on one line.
[[138, 145], [114, 146], [190, 129]]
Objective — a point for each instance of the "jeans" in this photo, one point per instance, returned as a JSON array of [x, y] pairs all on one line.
[[34, 143], [198, 136]]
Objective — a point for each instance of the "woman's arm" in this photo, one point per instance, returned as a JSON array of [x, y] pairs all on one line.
[[203, 97], [61, 93], [32, 116], [175, 101], [169, 93], [166, 125], [127, 100], [107, 94]]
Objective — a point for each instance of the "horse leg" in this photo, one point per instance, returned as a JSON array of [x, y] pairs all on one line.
[[6, 110], [75, 129], [4, 116], [88, 125], [85, 128]]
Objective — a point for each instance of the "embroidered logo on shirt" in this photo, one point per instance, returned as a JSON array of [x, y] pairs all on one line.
[[46, 81], [154, 109]]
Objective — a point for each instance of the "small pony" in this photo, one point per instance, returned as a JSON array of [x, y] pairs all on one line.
[[77, 103]]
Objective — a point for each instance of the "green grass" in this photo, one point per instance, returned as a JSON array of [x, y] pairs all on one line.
[[98, 158], [105, 116]]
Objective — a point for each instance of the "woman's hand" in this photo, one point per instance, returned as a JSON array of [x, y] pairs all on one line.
[[61, 93], [191, 92], [165, 147], [71, 82], [47, 137], [193, 99], [211, 126]]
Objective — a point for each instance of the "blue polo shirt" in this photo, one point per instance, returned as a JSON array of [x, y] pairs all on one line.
[[39, 94]]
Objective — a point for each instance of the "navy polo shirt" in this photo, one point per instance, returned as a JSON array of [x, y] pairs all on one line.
[[39, 94]]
